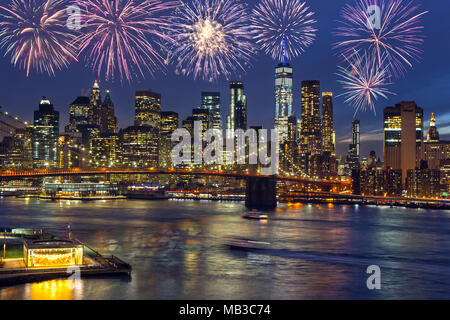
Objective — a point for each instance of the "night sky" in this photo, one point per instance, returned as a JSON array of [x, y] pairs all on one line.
[[428, 84]]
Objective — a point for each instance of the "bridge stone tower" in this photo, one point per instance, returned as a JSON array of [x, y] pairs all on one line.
[[261, 194]]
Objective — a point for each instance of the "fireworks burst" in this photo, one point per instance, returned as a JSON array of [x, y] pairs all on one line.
[[35, 35], [117, 32], [212, 38], [397, 35], [364, 80], [283, 28]]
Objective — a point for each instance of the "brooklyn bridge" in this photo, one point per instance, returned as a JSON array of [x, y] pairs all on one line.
[[261, 191]]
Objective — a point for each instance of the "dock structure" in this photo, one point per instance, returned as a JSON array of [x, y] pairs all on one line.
[[57, 259], [111, 266]]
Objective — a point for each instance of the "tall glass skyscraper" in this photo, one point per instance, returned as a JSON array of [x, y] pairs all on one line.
[[211, 102], [45, 136], [356, 137], [238, 107], [283, 99], [354, 153], [283, 90]]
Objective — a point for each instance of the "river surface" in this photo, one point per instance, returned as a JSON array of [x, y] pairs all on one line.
[[176, 250]]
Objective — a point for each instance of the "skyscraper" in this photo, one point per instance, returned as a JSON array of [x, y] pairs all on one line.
[[311, 133], [283, 99], [356, 137], [71, 151], [103, 150], [169, 123], [148, 109], [139, 147], [203, 116], [95, 105], [16, 151], [283, 90], [238, 107], [45, 136], [108, 120], [435, 150], [211, 102], [432, 134], [353, 158], [79, 114], [403, 137], [328, 123]]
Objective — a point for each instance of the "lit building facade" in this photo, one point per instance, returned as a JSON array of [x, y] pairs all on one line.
[[356, 137], [45, 136], [211, 102], [169, 124], [381, 182], [80, 114], [139, 147], [16, 151], [328, 123], [353, 158], [289, 149], [424, 183], [403, 137], [95, 105], [238, 107], [311, 131], [108, 120], [283, 91], [283, 99], [203, 116], [147, 109], [435, 151], [103, 150], [72, 153], [432, 134]]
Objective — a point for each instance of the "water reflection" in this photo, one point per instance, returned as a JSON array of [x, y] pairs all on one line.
[[177, 252]]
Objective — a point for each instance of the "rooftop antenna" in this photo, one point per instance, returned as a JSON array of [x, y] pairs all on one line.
[[284, 49]]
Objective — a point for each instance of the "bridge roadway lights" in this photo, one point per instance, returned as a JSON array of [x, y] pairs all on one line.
[[261, 194]]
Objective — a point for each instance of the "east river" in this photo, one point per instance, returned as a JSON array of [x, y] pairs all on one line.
[[176, 249]]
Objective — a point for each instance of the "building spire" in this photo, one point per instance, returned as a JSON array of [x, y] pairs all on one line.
[[45, 100], [432, 134], [96, 86]]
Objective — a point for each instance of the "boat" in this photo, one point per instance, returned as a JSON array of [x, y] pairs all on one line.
[[255, 216], [144, 192], [247, 244]]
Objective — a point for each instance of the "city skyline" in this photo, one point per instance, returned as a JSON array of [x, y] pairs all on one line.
[[342, 142], [182, 94], [224, 149]]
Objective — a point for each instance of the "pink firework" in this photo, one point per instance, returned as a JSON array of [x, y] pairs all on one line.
[[383, 27], [125, 36], [35, 35], [364, 80]]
